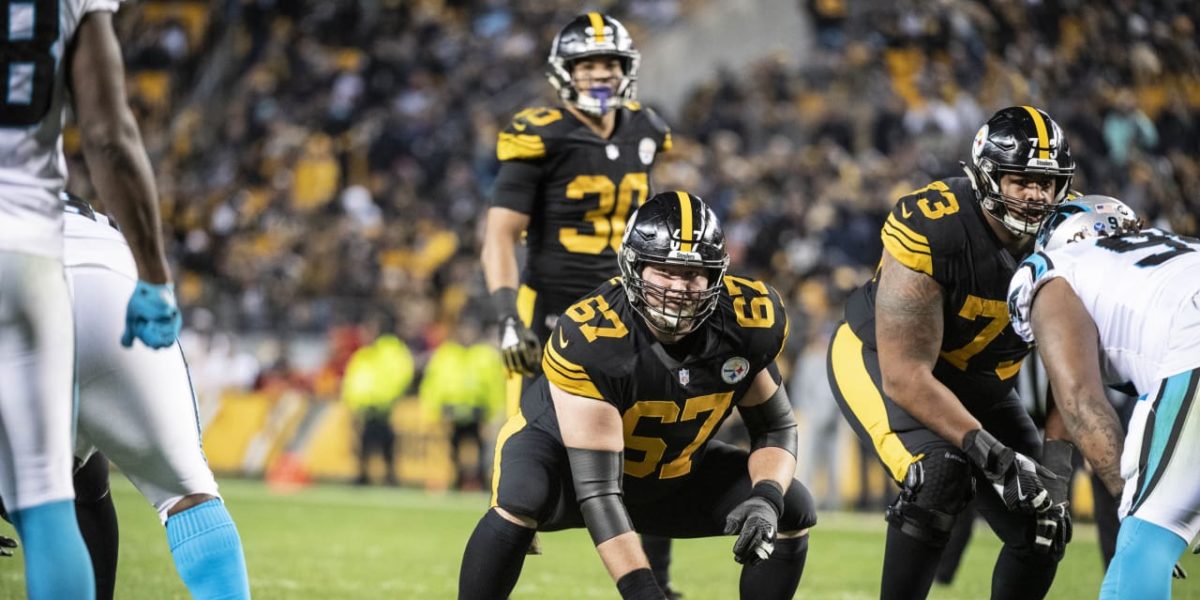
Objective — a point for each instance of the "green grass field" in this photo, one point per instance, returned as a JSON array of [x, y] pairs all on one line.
[[345, 542]]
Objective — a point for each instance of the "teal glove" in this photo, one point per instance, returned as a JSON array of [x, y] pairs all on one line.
[[152, 316]]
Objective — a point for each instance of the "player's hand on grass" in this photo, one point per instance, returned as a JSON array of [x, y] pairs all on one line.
[[1054, 528], [755, 521], [7, 545], [1178, 572], [152, 316], [1016, 477]]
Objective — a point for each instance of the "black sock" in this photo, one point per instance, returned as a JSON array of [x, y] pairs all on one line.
[[658, 552], [98, 522], [960, 536], [493, 559], [779, 575], [908, 566], [1022, 574]]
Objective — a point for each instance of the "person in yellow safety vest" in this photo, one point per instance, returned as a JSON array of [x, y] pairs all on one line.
[[376, 376], [464, 383]]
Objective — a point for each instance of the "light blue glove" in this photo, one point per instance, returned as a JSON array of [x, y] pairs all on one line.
[[152, 316]]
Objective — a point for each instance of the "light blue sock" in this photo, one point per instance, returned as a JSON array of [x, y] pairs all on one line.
[[208, 552], [1141, 568], [57, 564]]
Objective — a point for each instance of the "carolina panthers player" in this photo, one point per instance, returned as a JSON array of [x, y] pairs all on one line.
[[156, 442], [46, 45], [1111, 303], [569, 177]]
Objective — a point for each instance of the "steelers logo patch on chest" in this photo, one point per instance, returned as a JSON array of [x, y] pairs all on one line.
[[646, 150], [612, 151], [735, 369]]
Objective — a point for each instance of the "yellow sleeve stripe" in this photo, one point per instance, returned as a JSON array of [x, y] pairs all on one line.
[[516, 146], [916, 238], [917, 261], [907, 242], [584, 387], [666, 143], [563, 364]]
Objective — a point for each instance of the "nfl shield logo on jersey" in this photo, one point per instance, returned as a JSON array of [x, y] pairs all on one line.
[[684, 376]]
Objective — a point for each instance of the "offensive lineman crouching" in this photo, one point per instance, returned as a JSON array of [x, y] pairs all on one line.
[[616, 435]]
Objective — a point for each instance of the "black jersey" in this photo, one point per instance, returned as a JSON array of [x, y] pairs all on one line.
[[940, 230], [578, 190], [671, 405]]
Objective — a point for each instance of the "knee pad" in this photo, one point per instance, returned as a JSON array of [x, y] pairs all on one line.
[[799, 510], [932, 494], [91, 479]]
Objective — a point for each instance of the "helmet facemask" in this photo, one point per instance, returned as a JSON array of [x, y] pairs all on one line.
[[671, 312]]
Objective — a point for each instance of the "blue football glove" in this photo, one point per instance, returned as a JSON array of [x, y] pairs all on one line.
[[152, 316]]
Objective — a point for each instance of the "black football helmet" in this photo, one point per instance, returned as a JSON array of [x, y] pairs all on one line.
[[1019, 139], [593, 34], [673, 228]]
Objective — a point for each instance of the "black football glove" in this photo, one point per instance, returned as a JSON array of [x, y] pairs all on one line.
[[6, 546], [1016, 477], [1054, 528], [755, 522], [520, 347], [1178, 572]]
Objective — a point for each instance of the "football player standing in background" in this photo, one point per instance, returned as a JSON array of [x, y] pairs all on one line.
[[1111, 303], [569, 178], [924, 367], [37, 342]]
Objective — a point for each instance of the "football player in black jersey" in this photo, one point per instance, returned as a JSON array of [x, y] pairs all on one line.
[[569, 178], [616, 436], [924, 365]]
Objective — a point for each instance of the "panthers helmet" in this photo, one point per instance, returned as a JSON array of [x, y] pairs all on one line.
[[1083, 218], [593, 34], [673, 228], [1019, 139]]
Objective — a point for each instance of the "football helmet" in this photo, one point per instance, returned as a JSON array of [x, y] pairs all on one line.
[[1019, 140], [587, 35], [673, 228], [1087, 217]]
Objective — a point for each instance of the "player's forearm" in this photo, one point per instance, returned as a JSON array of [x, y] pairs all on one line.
[[1093, 424], [622, 554], [499, 258], [772, 464], [121, 173], [919, 393]]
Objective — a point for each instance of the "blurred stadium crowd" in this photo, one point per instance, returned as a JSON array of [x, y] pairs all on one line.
[[327, 163]]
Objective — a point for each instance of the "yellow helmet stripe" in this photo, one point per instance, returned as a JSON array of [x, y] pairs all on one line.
[[685, 225], [1043, 139], [597, 26]]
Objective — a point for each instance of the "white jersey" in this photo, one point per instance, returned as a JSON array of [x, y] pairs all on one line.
[[1142, 291], [32, 96]]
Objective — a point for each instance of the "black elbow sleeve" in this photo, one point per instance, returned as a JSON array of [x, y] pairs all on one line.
[[597, 477], [771, 424]]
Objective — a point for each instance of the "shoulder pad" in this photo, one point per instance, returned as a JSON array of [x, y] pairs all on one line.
[[917, 225], [660, 127], [758, 308], [1030, 276], [589, 335], [523, 139]]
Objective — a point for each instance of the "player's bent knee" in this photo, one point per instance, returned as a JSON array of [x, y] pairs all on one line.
[[799, 510], [932, 494], [91, 479], [525, 522]]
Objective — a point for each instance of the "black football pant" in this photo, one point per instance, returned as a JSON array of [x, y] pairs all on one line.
[[918, 533], [533, 479]]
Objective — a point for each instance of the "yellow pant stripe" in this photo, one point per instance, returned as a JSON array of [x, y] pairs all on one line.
[[514, 424], [866, 402]]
